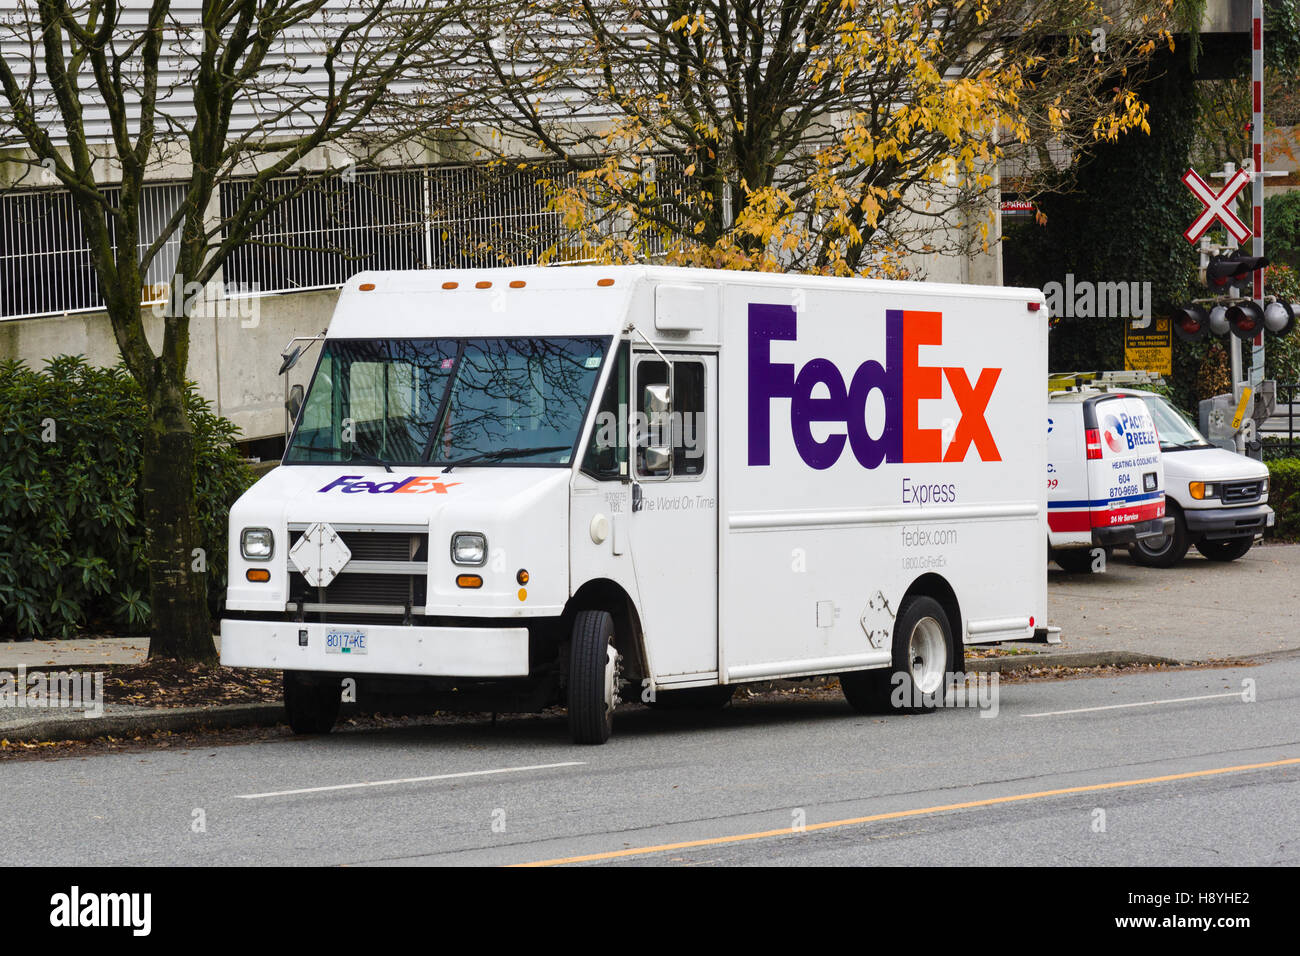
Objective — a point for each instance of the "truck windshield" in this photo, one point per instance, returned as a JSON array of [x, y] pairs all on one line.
[[499, 401], [1175, 431]]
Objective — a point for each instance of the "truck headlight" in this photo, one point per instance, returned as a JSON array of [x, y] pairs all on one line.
[[1263, 487], [1200, 490], [257, 544], [469, 548]]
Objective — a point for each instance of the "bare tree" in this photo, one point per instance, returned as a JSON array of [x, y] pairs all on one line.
[[110, 94], [805, 134]]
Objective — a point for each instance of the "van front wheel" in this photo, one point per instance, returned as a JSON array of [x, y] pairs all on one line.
[[593, 678], [311, 704], [1166, 550], [1225, 549], [922, 660]]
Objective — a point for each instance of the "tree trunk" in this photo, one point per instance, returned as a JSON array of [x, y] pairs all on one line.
[[181, 629]]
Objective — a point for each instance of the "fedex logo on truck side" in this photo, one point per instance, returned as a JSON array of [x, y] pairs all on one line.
[[902, 382], [415, 485]]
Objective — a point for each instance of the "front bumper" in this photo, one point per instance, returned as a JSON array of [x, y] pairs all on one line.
[[388, 648], [1228, 522], [1122, 534]]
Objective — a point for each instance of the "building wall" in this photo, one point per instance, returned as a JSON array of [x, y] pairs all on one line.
[[234, 350]]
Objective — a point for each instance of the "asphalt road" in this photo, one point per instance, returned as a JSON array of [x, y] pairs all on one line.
[[1067, 772]]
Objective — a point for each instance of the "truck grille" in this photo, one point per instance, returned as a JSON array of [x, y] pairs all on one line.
[[386, 576], [1239, 492]]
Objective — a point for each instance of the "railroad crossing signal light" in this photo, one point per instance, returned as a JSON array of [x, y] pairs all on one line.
[[1279, 317], [1219, 321], [1245, 319], [1223, 269], [1190, 323]]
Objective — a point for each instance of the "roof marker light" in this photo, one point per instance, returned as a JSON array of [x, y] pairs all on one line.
[[517, 284], [604, 282], [366, 286], [483, 284], [451, 285]]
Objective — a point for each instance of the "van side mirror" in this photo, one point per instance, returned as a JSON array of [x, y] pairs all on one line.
[[294, 405]]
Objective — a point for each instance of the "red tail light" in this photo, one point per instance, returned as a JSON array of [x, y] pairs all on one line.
[[1092, 438]]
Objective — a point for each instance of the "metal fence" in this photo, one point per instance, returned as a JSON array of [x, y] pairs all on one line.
[[313, 232], [1280, 433]]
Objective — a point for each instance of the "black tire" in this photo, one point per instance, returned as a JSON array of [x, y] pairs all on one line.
[[893, 690], [593, 678], [1077, 560], [693, 698], [311, 703], [1166, 550], [1225, 549]]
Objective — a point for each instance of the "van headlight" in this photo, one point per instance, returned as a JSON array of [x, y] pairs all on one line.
[[257, 544], [469, 548], [1200, 490]]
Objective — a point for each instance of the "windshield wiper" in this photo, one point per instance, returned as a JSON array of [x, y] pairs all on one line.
[[501, 453], [355, 453]]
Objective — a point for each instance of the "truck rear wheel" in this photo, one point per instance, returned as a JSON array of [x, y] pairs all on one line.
[[1166, 550], [593, 677], [311, 704], [1225, 549], [922, 659]]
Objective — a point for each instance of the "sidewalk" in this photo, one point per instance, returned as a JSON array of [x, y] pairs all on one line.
[[1198, 611]]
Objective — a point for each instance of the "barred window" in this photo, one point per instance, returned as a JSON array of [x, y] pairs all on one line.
[[45, 263], [319, 232]]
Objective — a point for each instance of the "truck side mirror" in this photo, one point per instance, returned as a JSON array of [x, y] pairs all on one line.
[[657, 458], [294, 405], [656, 400]]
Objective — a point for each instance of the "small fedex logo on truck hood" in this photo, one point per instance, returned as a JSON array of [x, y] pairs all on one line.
[[414, 485], [901, 380]]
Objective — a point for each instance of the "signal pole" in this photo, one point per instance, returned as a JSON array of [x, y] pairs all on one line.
[[1256, 181]]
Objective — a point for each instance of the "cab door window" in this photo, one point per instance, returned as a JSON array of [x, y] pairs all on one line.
[[671, 424]]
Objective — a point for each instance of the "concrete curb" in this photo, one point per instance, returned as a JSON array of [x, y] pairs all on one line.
[[181, 719], [1069, 659], [176, 719]]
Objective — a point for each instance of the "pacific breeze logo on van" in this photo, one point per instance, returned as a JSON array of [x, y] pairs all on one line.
[[1126, 432], [901, 381]]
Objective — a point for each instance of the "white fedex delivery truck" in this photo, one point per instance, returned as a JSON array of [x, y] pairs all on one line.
[[513, 488]]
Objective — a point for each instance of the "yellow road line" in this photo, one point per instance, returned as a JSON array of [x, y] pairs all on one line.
[[898, 814]]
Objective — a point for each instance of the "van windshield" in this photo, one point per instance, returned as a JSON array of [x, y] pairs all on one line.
[[499, 401], [1175, 431]]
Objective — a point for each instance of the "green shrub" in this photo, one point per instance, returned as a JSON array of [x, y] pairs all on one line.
[[70, 504], [1284, 496]]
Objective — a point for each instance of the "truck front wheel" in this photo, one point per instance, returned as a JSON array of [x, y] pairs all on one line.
[[593, 678], [312, 704], [922, 660]]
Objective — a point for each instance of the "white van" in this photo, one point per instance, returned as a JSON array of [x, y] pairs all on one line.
[[518, 487], [1217, 499], [1105, 478]]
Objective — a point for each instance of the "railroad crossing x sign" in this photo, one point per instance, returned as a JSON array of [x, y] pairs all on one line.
[[1216, 205]]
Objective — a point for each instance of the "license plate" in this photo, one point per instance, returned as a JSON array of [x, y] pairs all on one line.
[[346, 642]]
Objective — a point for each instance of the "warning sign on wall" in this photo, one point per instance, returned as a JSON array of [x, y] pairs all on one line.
[[1149, 349]]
